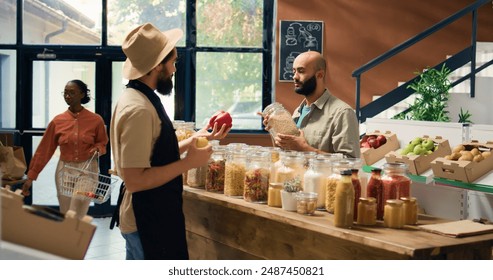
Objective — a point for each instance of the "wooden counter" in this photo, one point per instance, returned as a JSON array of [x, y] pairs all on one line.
[[221, 227]]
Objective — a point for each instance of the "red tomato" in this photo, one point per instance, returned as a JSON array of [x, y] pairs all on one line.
[[381, 139], [221, 117]]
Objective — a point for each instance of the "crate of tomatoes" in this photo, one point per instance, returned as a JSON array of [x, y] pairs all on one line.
[[375, 145]]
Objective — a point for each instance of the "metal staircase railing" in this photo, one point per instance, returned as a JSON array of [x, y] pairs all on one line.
[[402, 92]]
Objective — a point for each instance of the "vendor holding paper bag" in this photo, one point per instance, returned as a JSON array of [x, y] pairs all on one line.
[[79, 133]]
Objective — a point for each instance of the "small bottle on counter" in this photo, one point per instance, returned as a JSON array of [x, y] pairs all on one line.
[[344, 201], [410, 208], [367, 211], [374, 189], [393, 215], [357, 190]]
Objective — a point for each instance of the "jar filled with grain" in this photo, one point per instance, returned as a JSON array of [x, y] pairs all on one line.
[[315, 178], [196, 177], [234, 177], [214, 181], [256, 182], [291, 167], [279, 120]]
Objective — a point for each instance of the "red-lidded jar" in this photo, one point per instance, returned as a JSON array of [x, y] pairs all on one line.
[[396, 183]]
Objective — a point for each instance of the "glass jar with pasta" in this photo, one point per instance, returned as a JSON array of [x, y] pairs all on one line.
[[234, 177], [256, 183]]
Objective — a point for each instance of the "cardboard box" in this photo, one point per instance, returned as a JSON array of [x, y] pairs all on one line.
[[418, 164], [465, 171], [370, 155], [44, 229]]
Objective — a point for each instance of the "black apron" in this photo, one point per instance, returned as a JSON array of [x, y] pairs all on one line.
[[158, 212]]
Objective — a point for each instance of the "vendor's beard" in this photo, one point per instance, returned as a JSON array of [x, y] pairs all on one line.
[[307, 87], [164, 86]]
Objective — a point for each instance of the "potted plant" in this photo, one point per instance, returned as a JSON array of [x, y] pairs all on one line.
[[432, 94], [288, 193]]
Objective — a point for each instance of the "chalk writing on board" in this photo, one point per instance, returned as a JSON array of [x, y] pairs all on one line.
[[297, 37]]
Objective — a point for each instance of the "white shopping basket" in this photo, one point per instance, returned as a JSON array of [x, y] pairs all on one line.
[[81, 183]]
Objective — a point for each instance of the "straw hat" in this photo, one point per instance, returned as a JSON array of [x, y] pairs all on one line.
[[145, 47]]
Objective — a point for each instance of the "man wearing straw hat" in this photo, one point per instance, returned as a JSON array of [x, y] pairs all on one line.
[[146, 151]]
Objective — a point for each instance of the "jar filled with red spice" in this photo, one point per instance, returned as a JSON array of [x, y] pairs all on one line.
[[374, 189], [396, 183]]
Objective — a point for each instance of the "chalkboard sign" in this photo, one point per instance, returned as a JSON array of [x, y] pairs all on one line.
[[296, 37]]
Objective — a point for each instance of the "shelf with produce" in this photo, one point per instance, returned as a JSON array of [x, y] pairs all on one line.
[[484, 184]]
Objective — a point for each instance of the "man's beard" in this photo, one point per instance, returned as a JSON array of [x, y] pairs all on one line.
[[307, 87], [164, 85]]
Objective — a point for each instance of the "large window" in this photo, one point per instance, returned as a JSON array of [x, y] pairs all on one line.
[[229, 61], [123, 15]]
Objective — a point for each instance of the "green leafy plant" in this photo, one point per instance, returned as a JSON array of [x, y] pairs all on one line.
[[432, 94], [465, 117]]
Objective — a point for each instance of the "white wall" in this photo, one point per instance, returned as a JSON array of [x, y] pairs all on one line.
[[480, 106]]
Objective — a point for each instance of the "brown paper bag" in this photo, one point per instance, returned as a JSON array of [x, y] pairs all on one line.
[[12, 162]]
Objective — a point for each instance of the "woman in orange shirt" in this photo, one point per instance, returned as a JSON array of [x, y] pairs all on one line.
[[79, 133]]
